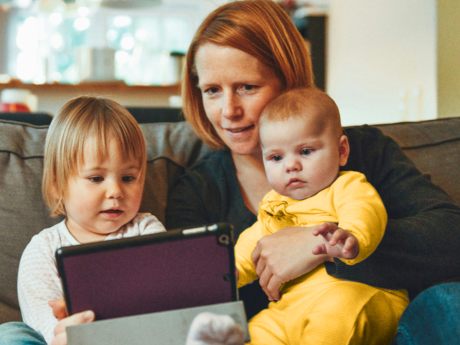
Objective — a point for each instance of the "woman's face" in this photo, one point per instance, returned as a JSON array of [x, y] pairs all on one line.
[[235, 87]]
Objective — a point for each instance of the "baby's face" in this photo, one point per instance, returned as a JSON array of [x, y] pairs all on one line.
[[104, 195], [300, 158]]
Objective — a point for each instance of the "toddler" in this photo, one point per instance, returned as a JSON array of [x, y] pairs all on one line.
[[303, 147], [94, 171]]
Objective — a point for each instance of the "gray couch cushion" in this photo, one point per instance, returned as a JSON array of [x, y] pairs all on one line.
[[434, 147], [171, 147]]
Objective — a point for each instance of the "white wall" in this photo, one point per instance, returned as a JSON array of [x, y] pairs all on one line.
[[381, 64], [448, 58]]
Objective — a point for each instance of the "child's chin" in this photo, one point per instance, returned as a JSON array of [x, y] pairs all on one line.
[[299, 195]]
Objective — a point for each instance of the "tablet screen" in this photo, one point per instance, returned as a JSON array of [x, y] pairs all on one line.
[[166, 271]]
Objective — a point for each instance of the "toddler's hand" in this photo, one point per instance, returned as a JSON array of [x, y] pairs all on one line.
[[338, 243]]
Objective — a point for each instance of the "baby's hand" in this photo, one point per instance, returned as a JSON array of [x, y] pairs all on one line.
[[338, 243]]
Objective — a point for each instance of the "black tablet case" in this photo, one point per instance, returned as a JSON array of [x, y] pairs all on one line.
[[177, 269]]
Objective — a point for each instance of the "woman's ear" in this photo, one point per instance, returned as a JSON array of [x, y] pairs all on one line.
[[344, 150]]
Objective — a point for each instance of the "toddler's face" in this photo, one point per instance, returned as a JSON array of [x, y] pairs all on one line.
[[301, 158], [104, 195]]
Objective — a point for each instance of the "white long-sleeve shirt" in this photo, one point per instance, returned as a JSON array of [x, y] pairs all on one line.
[[38, 279]]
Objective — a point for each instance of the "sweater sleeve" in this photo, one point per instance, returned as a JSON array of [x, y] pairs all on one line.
[[148, 224], [38, 283], [422, 237], [187, 203], [207, 194]]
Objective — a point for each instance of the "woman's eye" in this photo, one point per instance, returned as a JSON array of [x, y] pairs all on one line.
[[96, 179], [306, 152], [249, 87], [128, 178], [211, 90]]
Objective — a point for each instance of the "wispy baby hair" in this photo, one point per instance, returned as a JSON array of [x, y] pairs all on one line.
[[303, 103], [80, 119]]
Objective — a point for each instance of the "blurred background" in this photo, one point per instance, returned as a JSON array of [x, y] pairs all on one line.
[[381, 60]]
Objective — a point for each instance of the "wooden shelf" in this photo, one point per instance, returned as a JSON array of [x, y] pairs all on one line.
[[88, 86]]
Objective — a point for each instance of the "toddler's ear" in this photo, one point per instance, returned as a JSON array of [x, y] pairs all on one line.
[[344, 150], [55, 191]]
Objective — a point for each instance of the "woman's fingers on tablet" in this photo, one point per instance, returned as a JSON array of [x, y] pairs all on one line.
[[58, 306]]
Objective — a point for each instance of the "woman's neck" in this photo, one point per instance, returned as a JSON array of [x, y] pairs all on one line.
[[252, 179]]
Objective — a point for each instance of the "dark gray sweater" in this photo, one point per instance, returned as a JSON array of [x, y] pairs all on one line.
[[421, 245]]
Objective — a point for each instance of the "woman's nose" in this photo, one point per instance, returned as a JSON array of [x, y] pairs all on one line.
[[114, 191], [231, 106]]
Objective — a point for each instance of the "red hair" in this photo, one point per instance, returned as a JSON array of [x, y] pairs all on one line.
[[260, 28]]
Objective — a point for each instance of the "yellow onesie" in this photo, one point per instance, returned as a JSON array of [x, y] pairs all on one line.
[[317, 308]]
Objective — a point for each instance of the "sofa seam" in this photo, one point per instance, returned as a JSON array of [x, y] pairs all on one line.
[[22, 157], [428, 145], [22, 123], [414, 122], [42, 157]]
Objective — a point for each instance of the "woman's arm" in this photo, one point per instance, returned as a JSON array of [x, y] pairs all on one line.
[[187, 205], [209, 193], [421, 241]]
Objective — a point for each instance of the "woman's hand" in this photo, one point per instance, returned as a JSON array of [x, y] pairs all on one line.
[[60, 335], [286, 255]]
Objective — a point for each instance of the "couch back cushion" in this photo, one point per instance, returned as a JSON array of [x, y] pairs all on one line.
[[434, 147], [171, 147]]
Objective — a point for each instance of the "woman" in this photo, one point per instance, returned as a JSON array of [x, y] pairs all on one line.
[[237, 62], [244, 54]]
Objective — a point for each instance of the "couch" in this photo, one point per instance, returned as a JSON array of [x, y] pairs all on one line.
[[434, 146]]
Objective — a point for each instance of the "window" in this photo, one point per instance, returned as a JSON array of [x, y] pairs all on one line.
[[70, 44]]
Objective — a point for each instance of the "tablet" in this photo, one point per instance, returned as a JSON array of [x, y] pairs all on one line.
[[177, 269]]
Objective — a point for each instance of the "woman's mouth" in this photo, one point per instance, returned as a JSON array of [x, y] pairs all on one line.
[[239, 131]]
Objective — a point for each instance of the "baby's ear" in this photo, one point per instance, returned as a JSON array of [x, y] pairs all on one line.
[[344, 150]]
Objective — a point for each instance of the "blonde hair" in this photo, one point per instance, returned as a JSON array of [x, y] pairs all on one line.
[[304, 103], [80, 119], [260, 28]]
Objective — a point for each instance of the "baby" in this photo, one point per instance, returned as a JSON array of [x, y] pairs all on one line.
[[303, 147], [94, 172]]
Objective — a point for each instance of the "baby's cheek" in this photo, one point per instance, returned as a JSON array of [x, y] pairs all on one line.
[[275, 180]]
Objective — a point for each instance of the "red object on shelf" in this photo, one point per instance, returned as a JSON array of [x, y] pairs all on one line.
[[14, 108]]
